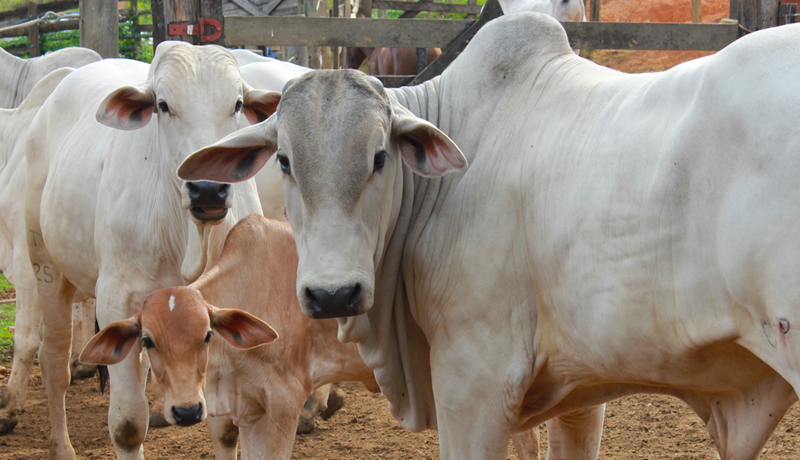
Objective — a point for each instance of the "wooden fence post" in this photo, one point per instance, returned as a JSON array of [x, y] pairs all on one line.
[[99, 26], [174, 11], [33, 30], [594, 10], [697, 11], [755, 14]]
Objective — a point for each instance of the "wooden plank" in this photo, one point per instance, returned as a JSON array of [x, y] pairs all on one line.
[[787, 14], [166, 12], [68, 24], [431, 33], [491, 10], [100, 27], [22, 13], [249, 7], [427, 6], [472, 2], [394, 33], [270, 7], [594, 10], [366, 8], [410, 14], [650, 36], [697, 12], [33, 30]]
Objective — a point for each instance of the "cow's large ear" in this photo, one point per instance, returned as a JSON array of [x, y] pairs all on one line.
[[259, 104], [128, 108], [235, 158], [241, 329], [425, 149], [112, 344]]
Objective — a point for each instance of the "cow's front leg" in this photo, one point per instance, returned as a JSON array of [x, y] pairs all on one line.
[[127, 411], [576, 436], [26, 344], [224, 436], [272, 436], [54, 295]]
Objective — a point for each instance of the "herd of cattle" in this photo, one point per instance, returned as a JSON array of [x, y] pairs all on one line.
[[529, 235]]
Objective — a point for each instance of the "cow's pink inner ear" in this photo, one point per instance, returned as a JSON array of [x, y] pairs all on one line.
[[127, 108], [241, 329], [428, 151], [113, 343], [260, 105]]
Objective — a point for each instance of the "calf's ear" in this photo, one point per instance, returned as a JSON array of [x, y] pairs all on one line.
[[260, 104], [112, 344], [127, 108], [235, 158], [241, 329], [424, 148]]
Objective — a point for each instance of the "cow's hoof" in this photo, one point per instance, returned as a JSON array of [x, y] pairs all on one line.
[[157, 420], [7, 425], [83, 372], [335, 402], [305, 425]]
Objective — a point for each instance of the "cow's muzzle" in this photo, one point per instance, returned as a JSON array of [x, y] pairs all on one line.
[[208, 201], [344, 301], [188, 416]]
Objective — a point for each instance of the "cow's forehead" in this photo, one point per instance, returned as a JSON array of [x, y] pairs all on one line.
[[177, 308], [208, 67]]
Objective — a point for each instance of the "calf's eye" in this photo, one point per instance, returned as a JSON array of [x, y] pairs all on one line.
[[285, 167], [148, 343], [379, 161]]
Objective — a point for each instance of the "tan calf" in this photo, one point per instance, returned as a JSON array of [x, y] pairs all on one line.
[[261, 390]]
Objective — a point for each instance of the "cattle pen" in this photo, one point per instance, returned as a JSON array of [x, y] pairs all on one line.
[[315, 28]]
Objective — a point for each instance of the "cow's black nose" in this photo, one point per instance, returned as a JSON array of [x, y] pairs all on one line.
[[188, 416], [344, 302], [208, 200]]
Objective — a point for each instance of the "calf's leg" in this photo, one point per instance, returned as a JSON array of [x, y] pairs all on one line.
[[224, 436]]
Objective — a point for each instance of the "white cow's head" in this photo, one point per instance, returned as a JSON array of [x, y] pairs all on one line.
[[342, 143], [197, 96], [175, 326]]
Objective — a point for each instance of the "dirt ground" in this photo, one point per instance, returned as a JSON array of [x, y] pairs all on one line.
[[636, 428]]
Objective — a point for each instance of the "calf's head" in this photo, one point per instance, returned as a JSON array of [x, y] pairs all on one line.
[[197, 96], [344, 145], [175, 326]]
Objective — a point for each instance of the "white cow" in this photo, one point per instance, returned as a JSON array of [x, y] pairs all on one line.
[[614, 234], [14, 261], [17, 76], [563, 10], [105, 212]]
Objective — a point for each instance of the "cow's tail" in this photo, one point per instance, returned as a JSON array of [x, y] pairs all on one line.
[[102, 371]]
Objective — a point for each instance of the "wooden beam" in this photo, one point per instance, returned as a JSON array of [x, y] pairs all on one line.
[[594, 10], [100, 26], [697, 11], [491, 10], [22, 13], [430, 33], [410, 14], [299, 31], [166, 12], [650, 36], [755, 14], [249, 7], [212, 9], [426, 6], [787, 14], [366, 8], [270, 7], [33, 30]]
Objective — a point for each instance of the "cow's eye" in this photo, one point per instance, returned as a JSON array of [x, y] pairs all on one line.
[[238, 107], [285, 167], [380, 160], [208, 336], [163, 107], [148, 343]]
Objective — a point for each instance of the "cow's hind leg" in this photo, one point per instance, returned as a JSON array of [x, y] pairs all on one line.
[[576, 436], [26, 344], [527, 444], [741, 422], [82, 331], [224, 436]]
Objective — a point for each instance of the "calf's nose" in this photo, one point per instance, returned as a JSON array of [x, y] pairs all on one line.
[[324, 304], [188, 416]]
